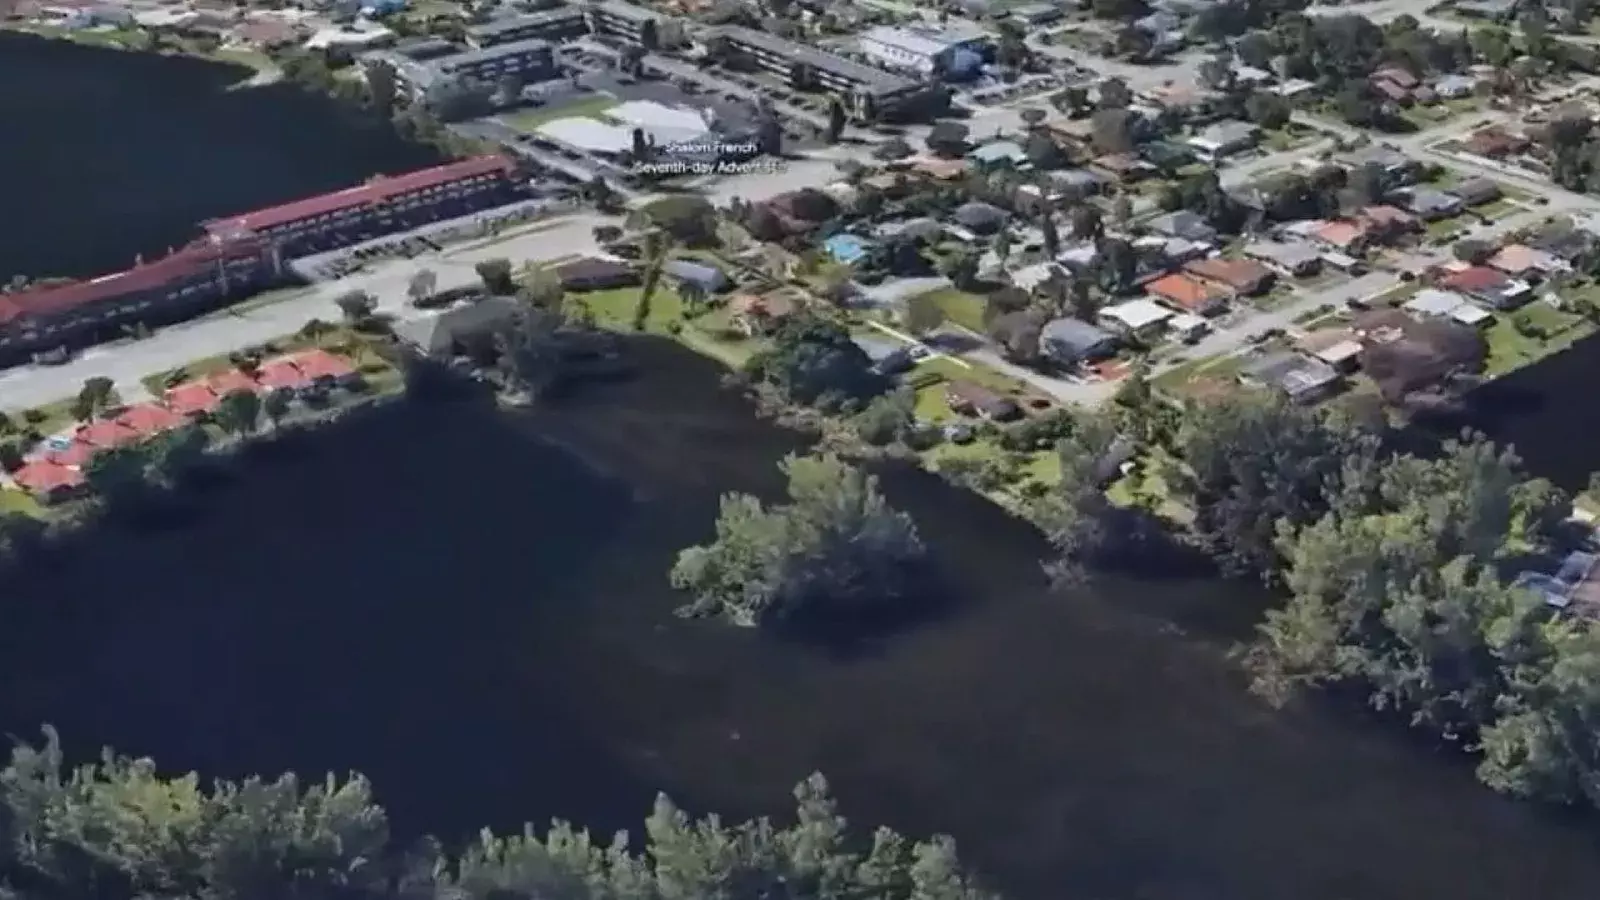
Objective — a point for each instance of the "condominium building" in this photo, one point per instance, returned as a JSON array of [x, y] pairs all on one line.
[[558, 24], [634, 24], [531, 60], [869, 92]]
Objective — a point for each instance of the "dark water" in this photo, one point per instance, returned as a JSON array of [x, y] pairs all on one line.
[[108, 154], [482, 624]]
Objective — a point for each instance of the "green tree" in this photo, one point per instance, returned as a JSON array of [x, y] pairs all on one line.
[[356, 306], [812, 361], [422, 285], [97, 394], [888, 418], [118, 476], [178, 453], [835, 551], [276, 406], [657, 249], [496, 277], [923, 314], [239, 412]]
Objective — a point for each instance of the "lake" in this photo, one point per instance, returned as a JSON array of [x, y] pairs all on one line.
[[109, 154], [472, 608]]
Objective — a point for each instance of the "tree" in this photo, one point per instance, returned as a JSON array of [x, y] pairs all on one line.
[[496, 277], [1114, 94], [239, 412], [1043, 152], [1113, 130], [835, 551], [1217, 72], [948, 139], [356, 306], [118, 476], [836, 120], [812, 361], [508, 89], [688, 219], [422, 286], [179, 452], [1270, 111], [1121, 209], [276, 405], [888, 418], [1051, 238], [923, 314], [531, 350], [1032, 116], [382, 88], [1472, 251], [1001, 244], [1086, 223], [97, 394], [655, 254], [1071, 514], [961, 268]]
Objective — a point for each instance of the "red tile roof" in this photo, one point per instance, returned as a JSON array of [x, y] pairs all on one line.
[[379, 190], [230, 381], [320, 364], [149, 419], [1182, 291], [280, 373], [179, 266], [191, 398], [41, 477], [1474, 278], [76, 455], [106, 434]]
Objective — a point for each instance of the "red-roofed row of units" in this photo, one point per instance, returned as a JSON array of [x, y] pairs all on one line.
[[384, 205], [54, 470]]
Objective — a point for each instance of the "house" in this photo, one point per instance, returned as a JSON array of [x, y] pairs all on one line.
[[1239, 276], [1289, 258], [1136, 317], [1037, 13], [1071, 341], [1397, 76], [1446, 305], [999, 153], [1495, 142], [442, 332], [49, 482], [1488, 285], [1122, 167], [1030, 278], [709, 279], [1184, 224], [1386, 222], [1342, 235], [971, 399], [1187, 294], [592, 274], [760, 314], [1392, 92], [1186, 327], [940, 169], [1300, 378], [1524, 262], [1396, 166], [149, 419], [1338, 347], [1476, 191], [1430, 205], [924, 229], [980, 218], [923, 51], [1452, 87], [1225, 139]]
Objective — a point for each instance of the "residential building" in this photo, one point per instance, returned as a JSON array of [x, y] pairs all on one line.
[[194, 280], [870, 92], [624, 21], [1496, 142], [1395, 165], [1293, 259], [1404, 355], [1184, 224], [1300, 378], [1238, 276], [442, 332], [383, 205], [1187, 327], [1446, 305], [1524, 262], [922, 51], [1071, 341], [756, 315], [707, 278], [1000, 153], [1452, 87], [590, 274], [1187, 294], [1476, 191], [558, 24], [1385, 222], [1492, 287], [1343, 235], [1135, 317], [1338, 347], [1038, 13], [1225, 139], [532, 59], [969, 398], [1429, 204], [1122, 167]]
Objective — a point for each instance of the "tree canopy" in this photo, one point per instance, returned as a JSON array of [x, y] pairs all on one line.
[[119, 828], [836, 551], [813, 362]]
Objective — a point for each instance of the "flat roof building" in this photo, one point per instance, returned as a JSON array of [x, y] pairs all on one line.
[[630, 23], [913, 49], [871, 91], [556, 24], [532, 59]]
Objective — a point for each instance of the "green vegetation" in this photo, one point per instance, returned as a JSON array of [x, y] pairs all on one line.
[[342, 339], [1214, 369], [118, 828], [835, 551], [1531, 333], [964, 308], [529, 120]]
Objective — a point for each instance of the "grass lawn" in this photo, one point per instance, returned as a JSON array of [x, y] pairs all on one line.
[[1510, 350], [1179, 380], [529, 120], [964, 308], [614, 308], [1444, 227], [1503, 206], [1146, 478], [14, 501]]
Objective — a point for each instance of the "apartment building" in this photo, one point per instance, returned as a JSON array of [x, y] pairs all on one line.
[[558, 24], [869, 92], [184, 284], [624, 21], [383, 205], [531, 60]]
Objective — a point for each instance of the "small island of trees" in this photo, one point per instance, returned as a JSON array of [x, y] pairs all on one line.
[[836, 551]]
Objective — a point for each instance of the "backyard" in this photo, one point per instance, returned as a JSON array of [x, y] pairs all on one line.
[[1530, 334], [529, 120]]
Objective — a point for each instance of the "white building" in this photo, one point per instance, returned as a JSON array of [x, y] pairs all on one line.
[[357, 36], [912, 50], [1135, 316]]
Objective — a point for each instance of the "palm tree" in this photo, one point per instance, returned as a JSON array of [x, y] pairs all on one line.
[[654, 254], [276, 405]]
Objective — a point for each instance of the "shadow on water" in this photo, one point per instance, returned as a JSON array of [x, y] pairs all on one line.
[[97, 138], [442, 597]]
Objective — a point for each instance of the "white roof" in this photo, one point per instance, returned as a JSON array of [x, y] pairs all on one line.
[[905, 40], [364, 35], [588, 134], [1431, 302], [164, 18], [1187, 322], [667, 124], [1468, 314], [1340, 352], [1032, 276], [1138, 314]]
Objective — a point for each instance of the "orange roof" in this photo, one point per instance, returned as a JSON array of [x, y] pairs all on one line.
[[224, 383], [1182, 291], [318, 364], [75, 455], [942, 169], [148, 419], [1341, 234], [1382, 214], [106, 433], [42, 477], [280, 373], [191, 398], [1235, 273], [1516, 259]]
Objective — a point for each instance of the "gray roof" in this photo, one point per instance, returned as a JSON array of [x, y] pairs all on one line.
[[1073, 336], [1478, 189], [470, 58], [501, 26], [425, 48], [1383, 156], [1290, 254], [1229, 133], [708, 277], [872, 80], [1291, 373], [1425, 199], [1183, 223], [629, 11]]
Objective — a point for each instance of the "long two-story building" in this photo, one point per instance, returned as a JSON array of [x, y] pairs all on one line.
[[182, 285], [384, 205], [626, 22], [868, 92], [558, 24]]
